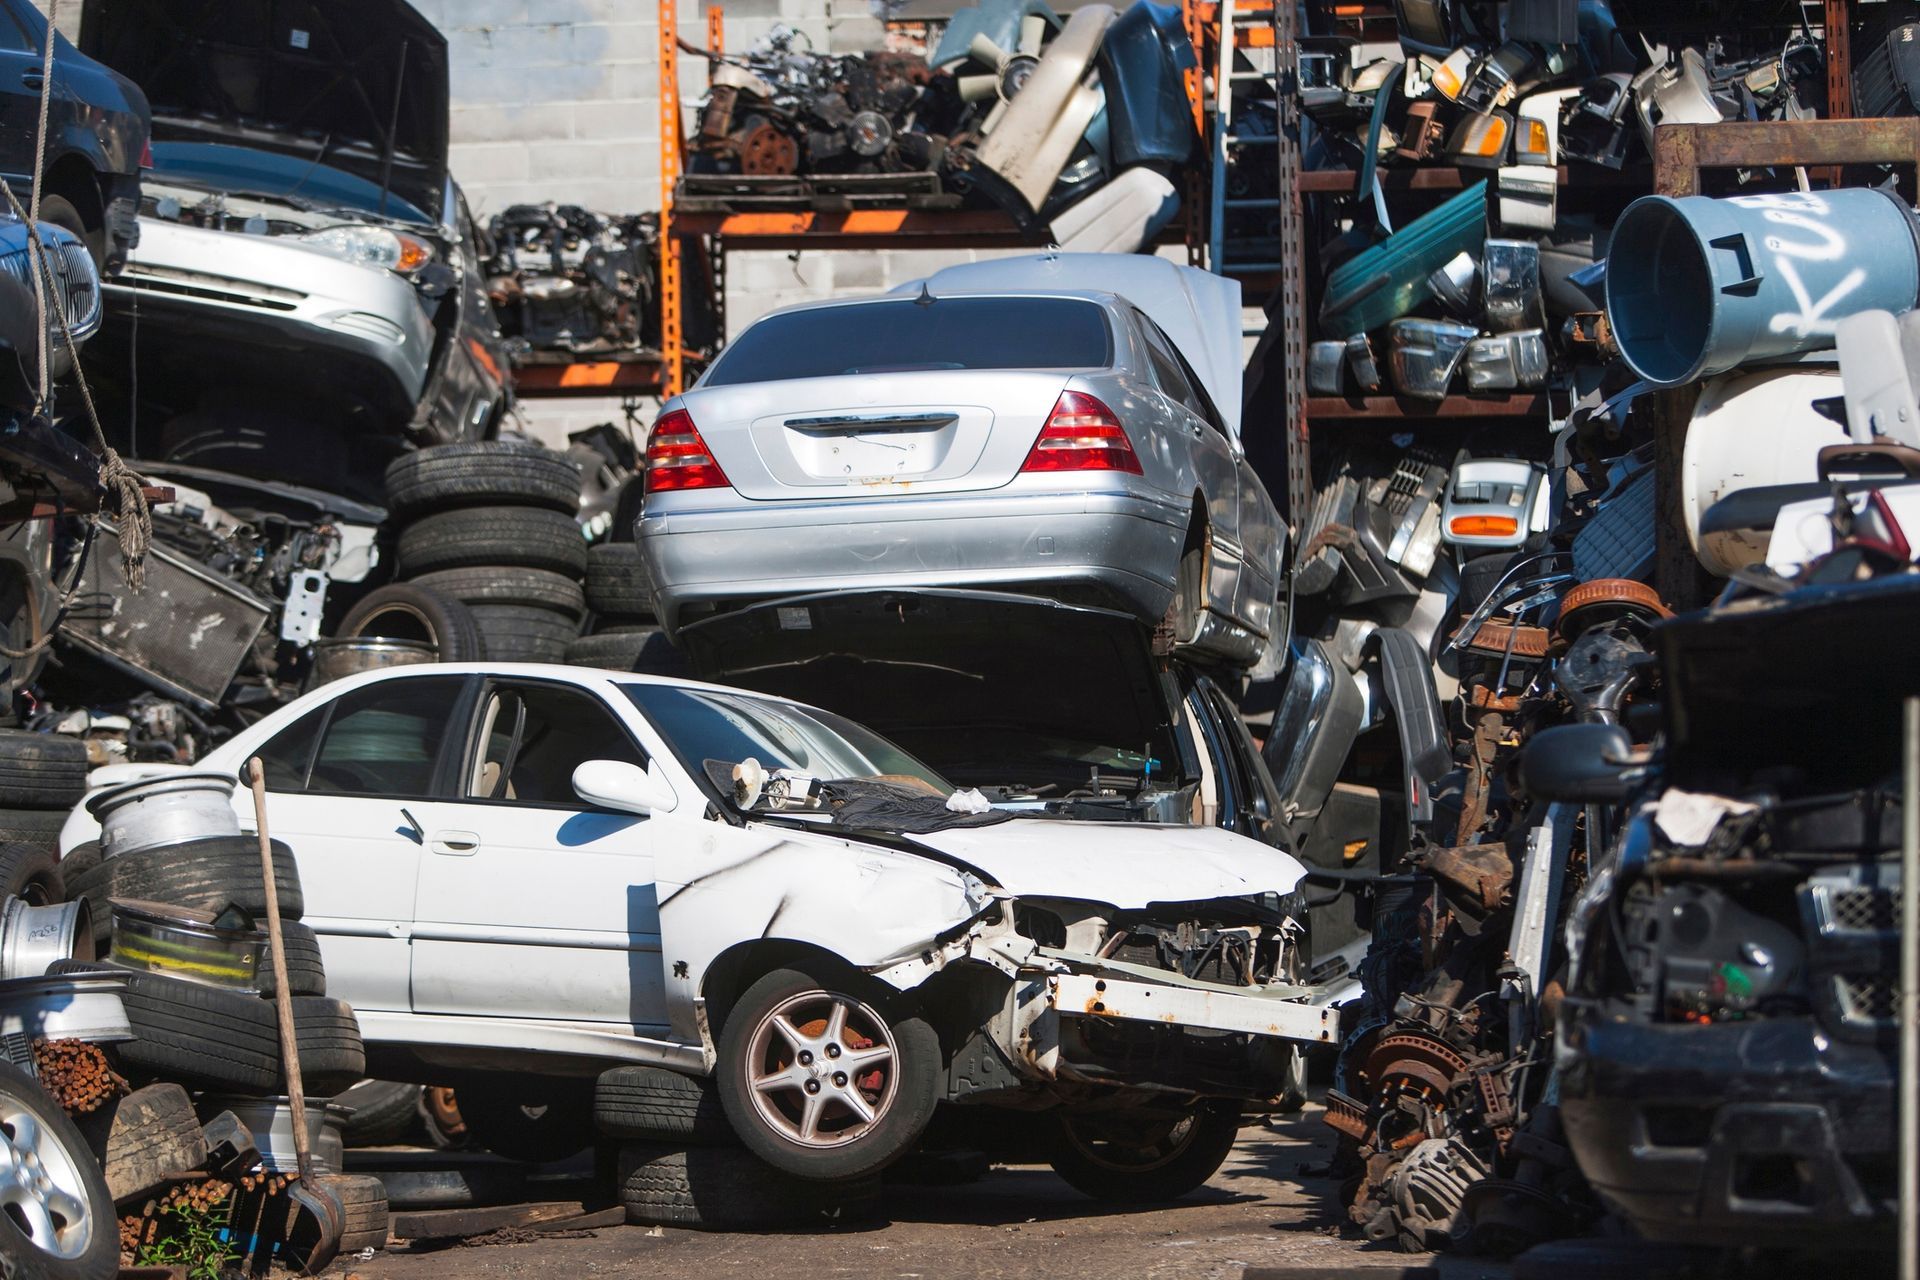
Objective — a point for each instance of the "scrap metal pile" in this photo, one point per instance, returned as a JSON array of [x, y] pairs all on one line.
[[562, 278], [1014, 107], [1474, 590]]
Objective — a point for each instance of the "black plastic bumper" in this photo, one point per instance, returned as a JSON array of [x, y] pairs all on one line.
[[1744, 1133]]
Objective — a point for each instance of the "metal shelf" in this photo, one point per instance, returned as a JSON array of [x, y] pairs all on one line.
[[862, 229], [558, 376], [1408, 408]]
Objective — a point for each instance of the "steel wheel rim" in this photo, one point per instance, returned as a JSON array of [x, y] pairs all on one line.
[[41, 1192], [1128, 1154], [822, 1069]]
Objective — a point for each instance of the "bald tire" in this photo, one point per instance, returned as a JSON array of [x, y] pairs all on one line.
[[366, 1220], [653, 1104]]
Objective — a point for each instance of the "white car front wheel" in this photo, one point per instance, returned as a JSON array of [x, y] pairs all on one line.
[[825, 1077]]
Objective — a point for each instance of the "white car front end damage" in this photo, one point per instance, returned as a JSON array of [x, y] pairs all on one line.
[[955, 914]]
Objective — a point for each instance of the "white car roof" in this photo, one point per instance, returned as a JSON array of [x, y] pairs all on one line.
[[1200, 311]]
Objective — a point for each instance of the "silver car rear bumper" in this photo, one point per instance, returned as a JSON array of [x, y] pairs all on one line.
[[1102, 545]]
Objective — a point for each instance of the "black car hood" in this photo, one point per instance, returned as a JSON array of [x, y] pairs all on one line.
[[988, 688], [340, 81], [1801, 691]]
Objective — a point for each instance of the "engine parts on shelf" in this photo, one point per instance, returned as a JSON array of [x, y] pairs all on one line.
[[562, 278]]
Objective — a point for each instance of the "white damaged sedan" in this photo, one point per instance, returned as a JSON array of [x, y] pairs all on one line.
[[552, 871]]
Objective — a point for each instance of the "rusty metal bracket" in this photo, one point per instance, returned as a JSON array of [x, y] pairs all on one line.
[[1682, 151]]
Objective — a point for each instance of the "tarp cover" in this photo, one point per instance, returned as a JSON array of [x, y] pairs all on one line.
[[889, 806]]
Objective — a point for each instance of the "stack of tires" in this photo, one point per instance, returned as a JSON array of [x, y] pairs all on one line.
[[42, 776], [625, 636], [489, 528], [197, 1029], [682, 1165]]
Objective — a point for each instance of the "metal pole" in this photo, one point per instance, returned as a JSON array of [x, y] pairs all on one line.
[[1908, 1110], [672, 371]]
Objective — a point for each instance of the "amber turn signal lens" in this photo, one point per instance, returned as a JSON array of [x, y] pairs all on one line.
[[1483, 526]]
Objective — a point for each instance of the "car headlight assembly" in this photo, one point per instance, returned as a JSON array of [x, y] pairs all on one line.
[[370, 247]]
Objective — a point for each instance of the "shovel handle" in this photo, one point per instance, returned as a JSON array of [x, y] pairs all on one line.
[[282, 992]]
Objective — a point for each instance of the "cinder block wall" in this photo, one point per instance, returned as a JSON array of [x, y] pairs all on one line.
[[560, 100]]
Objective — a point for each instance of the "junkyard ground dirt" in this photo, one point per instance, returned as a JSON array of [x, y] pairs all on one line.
[[1261, 1210]]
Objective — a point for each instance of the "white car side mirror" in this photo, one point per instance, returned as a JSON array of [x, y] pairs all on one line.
[[613, 784]]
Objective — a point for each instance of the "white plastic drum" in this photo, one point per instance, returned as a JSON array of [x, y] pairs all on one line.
[[1750, 430]]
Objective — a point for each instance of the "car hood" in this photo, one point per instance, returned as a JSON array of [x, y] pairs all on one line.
[[1126, 865], [1200, 311], [987, 687], [1794, 692], [358, 84]]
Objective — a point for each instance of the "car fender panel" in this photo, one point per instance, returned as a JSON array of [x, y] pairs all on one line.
[[878, 910]]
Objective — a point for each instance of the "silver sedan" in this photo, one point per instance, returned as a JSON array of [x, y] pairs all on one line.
[[1066, 425]]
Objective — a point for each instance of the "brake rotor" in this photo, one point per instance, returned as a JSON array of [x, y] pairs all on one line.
[[1607, 600], [765, 151], [1412, 1060]]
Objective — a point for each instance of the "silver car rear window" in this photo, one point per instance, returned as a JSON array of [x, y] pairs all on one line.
[[912, 334]]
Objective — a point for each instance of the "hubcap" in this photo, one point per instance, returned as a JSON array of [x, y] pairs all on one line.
[[821, 1069], [40, 1188]]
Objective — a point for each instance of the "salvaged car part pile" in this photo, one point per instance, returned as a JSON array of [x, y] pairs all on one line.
[[1495, 287], [144, 1086], [1585, 857], [1014, 107], [562, 278]]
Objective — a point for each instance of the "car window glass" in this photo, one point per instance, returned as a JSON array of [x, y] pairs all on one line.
[[1166, 367], [905, 335], [1174, 374], [286, 757], [705, 725], [1201, 403], [12, 38], [533, 736], [384, 739]]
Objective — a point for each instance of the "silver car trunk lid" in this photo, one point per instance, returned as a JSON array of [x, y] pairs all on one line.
[[875, 434]]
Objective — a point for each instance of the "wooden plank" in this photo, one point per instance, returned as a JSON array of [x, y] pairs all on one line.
[[456, 1224]]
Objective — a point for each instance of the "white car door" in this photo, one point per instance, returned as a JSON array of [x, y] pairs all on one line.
[[346, 785], [531, 903]]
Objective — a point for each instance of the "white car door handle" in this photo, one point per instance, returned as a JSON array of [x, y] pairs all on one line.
[[456, 844]]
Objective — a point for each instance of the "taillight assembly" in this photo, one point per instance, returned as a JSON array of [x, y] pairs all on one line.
[[1082, 435], [677, 458]]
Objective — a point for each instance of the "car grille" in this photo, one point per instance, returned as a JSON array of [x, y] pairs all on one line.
[[1853, 914], [1865, 911], [211, 288], [1866, 1001], [70, 262]]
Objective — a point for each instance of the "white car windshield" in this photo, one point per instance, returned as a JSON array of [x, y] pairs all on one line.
[[708, 725]]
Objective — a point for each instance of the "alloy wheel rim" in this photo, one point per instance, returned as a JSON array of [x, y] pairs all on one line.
[[41, 1193], [822, 1069]]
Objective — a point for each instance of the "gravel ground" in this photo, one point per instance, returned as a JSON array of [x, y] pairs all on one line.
[[1260, 1210]]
